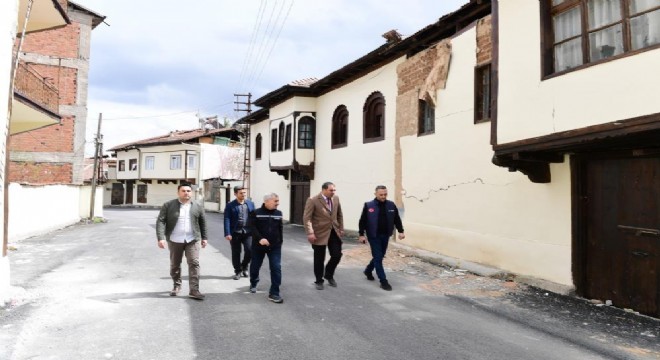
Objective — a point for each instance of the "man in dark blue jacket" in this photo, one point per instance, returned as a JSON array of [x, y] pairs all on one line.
[[379, 217], [267, 230], [237, 232]]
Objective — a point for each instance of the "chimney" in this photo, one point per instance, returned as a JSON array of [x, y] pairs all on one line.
[[392, 36]]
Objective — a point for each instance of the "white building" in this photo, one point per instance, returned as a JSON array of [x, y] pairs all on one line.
[[493, 147], [149, 171]]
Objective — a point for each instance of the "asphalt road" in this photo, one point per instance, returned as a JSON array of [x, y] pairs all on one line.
[[100, 291]]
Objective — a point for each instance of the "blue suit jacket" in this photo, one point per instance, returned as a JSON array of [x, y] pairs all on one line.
[[231, 215]]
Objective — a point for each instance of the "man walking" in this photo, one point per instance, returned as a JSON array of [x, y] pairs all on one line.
[[378, 219], [267, 230], [324, 224], [182, 226], [237, 231]]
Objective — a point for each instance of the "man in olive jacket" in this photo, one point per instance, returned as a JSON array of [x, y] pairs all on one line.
[[181, 225]]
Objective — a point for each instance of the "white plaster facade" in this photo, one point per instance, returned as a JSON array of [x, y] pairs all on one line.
[[529, 106], [456, 202]]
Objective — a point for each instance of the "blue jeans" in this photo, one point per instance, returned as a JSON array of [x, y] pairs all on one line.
[[275, 264], [378, 249]]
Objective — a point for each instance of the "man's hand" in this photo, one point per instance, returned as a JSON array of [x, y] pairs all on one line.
[[228, 237], [264, 242], [341, 233], [161, 244], [311, 238], [362, 239], [402, 236], [204, 242]]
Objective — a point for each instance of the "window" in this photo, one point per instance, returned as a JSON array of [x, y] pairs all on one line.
[[340, 127], [175, 162], [273, 140], [192, 162], [122, 165], [374, 118], [578, 32], [426, 118], [287, 141], [280, 142], [306, 133], [149, 162], [132, 164], [257, 147], [482, 91]]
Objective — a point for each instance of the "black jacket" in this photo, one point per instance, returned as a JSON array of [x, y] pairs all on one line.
[[266, 224]]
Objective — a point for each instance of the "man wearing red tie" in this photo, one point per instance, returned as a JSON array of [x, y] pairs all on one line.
[[324, 224]]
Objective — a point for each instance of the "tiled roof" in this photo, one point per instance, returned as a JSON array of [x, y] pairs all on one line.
[[175, 137]]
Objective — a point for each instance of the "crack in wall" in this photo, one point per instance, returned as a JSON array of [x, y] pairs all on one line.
[[445, 188]]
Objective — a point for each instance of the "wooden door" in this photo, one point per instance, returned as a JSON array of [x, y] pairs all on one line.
[[117, 197], [299, 196], [129, 191], [620, 200]]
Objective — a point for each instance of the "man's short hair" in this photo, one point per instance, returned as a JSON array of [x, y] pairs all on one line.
[[381, 187], [184, 184], [238, 188], [326, 185], [269, 196]]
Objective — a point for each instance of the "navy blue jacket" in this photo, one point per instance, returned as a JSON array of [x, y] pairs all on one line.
[[266, 224], [369, 218], [231, 215]]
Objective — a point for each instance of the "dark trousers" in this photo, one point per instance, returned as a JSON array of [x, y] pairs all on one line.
[[378, 249], [191, 250], [334, 248], [275, 265], [237, 242]]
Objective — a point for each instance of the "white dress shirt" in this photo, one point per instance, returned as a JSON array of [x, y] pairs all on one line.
[[182, 232]]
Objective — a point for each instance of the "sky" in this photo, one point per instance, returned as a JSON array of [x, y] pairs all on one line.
[[159, 65]]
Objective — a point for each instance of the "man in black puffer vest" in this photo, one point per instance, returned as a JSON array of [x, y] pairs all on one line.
[[379, 217]]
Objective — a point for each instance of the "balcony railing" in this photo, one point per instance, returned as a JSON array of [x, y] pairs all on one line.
[[31, 85]]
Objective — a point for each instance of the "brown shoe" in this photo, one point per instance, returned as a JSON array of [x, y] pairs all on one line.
[[195, 294], [175, 290]]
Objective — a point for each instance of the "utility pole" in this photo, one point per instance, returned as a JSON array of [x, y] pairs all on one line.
[[246, 154], [96, 163]]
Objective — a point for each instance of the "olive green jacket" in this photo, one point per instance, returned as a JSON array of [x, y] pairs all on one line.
[[169, 215]]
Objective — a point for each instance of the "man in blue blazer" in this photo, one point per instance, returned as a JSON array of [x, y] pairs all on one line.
[[237, 231]]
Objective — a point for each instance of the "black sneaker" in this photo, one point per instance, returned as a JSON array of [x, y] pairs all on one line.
[[237, 276], [275, 298], [253, 289], [332, 282], [369, 275], [385, 285], [244, 273], [319, 285]]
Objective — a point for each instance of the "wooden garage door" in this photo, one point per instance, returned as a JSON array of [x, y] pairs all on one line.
[[620, 223]]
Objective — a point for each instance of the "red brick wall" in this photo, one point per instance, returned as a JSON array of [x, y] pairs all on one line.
[[63, 78], [40, 173], [59, 43], [53, 138]]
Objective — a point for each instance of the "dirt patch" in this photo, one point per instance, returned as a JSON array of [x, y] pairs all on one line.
[[434, 278]]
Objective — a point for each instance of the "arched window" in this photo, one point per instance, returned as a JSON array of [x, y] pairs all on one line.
[[287, 142], [273, 140], [257, 147], [374, 118], [280, 143], [340, 127], [306, 133]]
